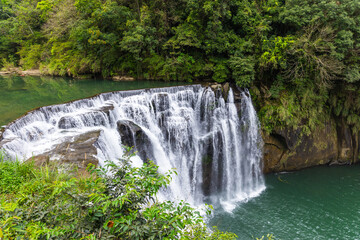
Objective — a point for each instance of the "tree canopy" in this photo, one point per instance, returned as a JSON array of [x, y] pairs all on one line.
[[300, 48]]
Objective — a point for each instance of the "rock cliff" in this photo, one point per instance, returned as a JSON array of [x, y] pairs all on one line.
[[288, 150]]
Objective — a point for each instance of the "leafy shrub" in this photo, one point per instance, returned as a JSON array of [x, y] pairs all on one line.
[[113, 202], [30, 56], [7, 65]]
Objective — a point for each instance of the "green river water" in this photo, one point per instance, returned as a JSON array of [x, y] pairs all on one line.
[[317, 203], [21, 94]]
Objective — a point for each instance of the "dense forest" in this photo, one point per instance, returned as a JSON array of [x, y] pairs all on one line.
[[301, 57]]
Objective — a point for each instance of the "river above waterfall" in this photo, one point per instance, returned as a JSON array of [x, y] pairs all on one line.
[[21, 94], [316, 203]]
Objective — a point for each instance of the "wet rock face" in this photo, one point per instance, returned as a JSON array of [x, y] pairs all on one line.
[[128, 130], [212, 175], [3, 142], [348, 144], [133, 136], [78, 151], [90, 119], [1, 133], [289, 150], [67, 123]]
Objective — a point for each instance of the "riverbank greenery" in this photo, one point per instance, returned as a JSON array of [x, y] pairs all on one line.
[[302, 56], [114, 202]]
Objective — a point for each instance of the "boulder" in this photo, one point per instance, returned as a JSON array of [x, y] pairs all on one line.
[[77, 151], [106, 109], [122, 78], [67, 122], [90, 119], [225, 90], [215, 86]]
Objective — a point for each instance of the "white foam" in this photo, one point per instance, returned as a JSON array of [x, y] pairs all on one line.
[[187, 128]]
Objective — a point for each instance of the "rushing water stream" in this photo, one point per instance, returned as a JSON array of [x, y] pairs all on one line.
[[190, 128]]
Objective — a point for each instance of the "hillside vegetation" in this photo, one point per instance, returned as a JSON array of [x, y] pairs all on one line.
[[300, 56], [113, 202]]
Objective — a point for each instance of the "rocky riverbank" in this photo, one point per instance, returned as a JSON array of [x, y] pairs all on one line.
[[18, 71]]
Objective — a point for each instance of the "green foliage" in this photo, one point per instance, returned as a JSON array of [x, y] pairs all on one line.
[[87, 7], [345, 102], [201, 232], [267, 237], [312, 46], [274, 52], [302, 107], [352, 74], [30, 56], [305, 73], [13, 175], [176, 40], [243, 70], [220, 73], [7, 65], [114, 202]]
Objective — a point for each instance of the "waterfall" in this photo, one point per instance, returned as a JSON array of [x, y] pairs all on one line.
[[214, 144]]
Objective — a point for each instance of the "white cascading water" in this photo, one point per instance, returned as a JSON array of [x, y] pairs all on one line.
[[216, 153]]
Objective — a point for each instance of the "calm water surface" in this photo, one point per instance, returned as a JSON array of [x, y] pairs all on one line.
[[316, 203], [21, 94]]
